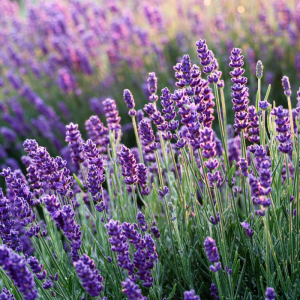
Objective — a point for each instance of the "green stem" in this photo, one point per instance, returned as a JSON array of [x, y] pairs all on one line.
[[138, 140]]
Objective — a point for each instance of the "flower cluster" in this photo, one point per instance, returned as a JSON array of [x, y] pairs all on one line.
[[64, 218], [112, 116], [239, 90], [253, 127], [145, 254], [129, 166], [51, 170], [119, 245], [283, 127], [95, 176], [209, 152], [190, 295], [142, 178], [212, 254], [8, 234], [270, 294], [132, 290], [6, 295], [22, 203], [98, 133], [152, 87], [89, 275], [15, 267], [261, 188], [73, 136], [128, 98], [286, 86], [214, 292]]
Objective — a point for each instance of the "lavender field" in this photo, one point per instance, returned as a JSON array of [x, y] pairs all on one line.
[[149, 150]]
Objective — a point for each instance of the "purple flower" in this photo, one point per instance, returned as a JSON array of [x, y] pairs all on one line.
[[216, 220], [142, 178], [156, 117], [243, 164], [261, 188], [129, 166], [95, 176], [47, 284], [286, 86], [190, 295], [270, 294], [73, 136], [164, 191], [37, 268], [249, 231], [214, 292], [229, 271], [141, 218], [144, 259], [283, 126], [155, 232], [6, 295], [209, 151], [128, 98], [98, 133], [253, 125], [263, 105], [152, 87], [221, 84], [119, 245], [8, 235], [206, 56], [15, 267], [112, 116], [168, 105], [23, 201], [65, 220], [239, 90], [89, 275], [211, 250], [132, 290], [147, 135]]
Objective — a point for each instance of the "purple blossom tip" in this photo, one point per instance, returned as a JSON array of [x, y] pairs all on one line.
[[190, 295], [270, 294], [286, 86]]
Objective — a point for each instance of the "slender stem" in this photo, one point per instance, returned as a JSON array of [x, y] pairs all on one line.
[[291, 118], [138, 141]]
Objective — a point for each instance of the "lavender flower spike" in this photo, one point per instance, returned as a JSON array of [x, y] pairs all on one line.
[[211, 250], [286, 86], [270, 294], [152, 87], [214, 292], [73, 136], [259, 69], [190, 295], [128, 98], [90, 277], [15, 267], [6, 295], [132, 290]]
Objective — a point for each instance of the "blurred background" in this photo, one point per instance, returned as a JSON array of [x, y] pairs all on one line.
[[59, 59]]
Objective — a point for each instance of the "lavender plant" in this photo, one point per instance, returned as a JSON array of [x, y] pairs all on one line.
[[188, 214]]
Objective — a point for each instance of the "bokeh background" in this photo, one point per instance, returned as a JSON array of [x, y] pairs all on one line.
[[59, 59]]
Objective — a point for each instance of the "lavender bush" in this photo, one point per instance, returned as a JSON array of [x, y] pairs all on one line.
[[186, 214]]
